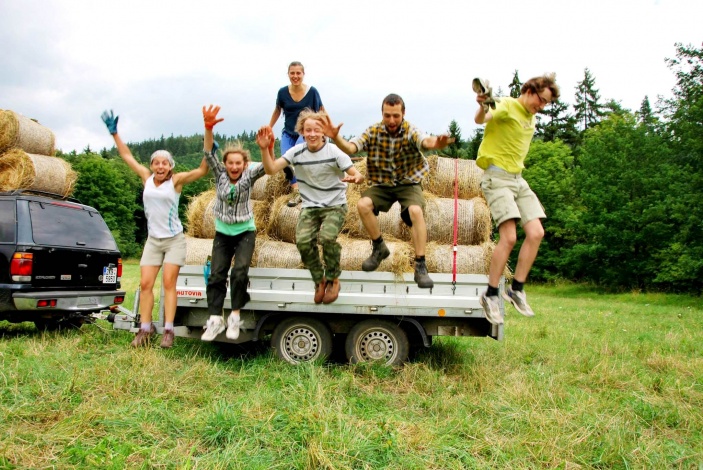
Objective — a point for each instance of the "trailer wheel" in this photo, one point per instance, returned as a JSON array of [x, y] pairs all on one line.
[[301, 339], [377, 340]]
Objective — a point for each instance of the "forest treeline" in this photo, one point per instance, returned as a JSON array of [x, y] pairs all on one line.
[[623, 189]]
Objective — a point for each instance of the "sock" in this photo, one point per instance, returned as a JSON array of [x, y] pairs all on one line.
[[146, 326], [492, 291], [377, 241], [517, 285], [168, 325]]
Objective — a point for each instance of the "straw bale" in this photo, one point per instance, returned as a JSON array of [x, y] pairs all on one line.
[[278, 254], [201, 218], [17, 131], [441, 178], [389, 222], [357, 189], [197, 250], [474, 221], [22, 170], [262, 210], [276, 186], [471, 259], [283, 220], [354, 252], [258, 191]]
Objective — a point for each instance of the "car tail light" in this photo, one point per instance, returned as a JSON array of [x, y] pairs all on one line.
[[118, 299], [21, 267], [119, 267], [44, 303]]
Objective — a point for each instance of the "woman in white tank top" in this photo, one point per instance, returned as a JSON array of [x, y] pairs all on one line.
[[166, 243]]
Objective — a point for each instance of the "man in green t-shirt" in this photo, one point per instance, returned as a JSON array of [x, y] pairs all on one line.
[[506, 141]]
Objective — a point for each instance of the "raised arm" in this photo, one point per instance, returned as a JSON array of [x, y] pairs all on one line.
[[185, 177], [110, 121], [274, 117], [332, 131], [437, 142], [482, 116], [211, 120], [265, 139]]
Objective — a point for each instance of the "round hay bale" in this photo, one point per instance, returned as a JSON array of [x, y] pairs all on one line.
[[276, 186], [258, 191], [22, 170], [201, 218], [262, 210], [474, 221], [440, 181], [283, 220], [197, 250], [26, 134], [357, 189], [472, 259], [354, 252], [277, 254], [389, 222]]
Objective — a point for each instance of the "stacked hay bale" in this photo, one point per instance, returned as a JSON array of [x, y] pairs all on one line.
[[26, 157], [276, 222]]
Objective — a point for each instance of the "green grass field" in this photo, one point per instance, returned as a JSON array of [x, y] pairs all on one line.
[[593, 381]]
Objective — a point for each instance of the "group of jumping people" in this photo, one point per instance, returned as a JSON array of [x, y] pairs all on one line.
[[320, 173]]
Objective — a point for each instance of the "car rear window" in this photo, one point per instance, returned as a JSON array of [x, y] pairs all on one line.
[[63, 225], [7, 221]]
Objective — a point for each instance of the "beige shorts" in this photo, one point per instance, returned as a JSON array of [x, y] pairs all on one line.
[[510, 197], [159, 251]]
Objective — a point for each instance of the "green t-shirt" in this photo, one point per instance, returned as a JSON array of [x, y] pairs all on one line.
[[507, 137]]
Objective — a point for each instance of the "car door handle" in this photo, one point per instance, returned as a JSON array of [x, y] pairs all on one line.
[[82, 265]]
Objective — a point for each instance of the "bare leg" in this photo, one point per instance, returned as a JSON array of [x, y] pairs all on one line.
[[508, 237], [170, 298], [418, 230], [368, 218], [146, 295], [534, 233]]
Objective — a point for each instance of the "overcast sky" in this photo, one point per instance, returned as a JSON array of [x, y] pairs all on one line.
[[157, 62]]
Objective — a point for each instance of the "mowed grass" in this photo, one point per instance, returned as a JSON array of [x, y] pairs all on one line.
[[593, 381]]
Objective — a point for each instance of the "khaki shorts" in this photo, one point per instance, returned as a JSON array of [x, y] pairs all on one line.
[[383, 197], [159, 251], [510, 197]]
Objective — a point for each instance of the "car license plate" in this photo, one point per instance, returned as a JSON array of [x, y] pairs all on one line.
[[109, 275]]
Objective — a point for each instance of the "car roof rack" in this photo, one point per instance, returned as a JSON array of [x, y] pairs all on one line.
[[37, 192]]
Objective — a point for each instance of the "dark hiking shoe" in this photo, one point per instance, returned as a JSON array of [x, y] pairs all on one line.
[[379, 253], [421, 277]]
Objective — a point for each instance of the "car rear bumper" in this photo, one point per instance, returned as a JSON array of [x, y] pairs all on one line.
[[76, 301]]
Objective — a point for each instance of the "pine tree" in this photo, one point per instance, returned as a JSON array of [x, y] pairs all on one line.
[[555, 122], [454, 149], [645, 115], [588, 108], [515, 86]]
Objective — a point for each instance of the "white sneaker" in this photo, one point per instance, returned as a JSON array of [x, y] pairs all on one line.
[[519, 300], [214, 326], [234, 323], [491, 308]]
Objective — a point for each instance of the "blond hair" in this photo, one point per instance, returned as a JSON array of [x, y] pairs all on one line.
[[236, 147], [306, 114]]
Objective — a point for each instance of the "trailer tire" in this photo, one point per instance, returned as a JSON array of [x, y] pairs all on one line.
[[377, 340], [302, 339]]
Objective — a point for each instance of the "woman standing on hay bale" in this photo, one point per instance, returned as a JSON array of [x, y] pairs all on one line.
[[291, 100], [166, 244], [322, 168], [235, 230]]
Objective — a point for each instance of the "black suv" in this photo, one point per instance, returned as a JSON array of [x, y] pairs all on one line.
[[58, 260]]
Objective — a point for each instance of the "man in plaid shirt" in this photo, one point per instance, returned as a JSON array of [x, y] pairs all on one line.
[[396, 168]]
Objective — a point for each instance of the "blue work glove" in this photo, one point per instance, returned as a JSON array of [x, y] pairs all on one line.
[[215, 146], [110, 121]]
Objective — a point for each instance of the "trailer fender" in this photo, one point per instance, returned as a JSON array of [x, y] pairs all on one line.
[[421, 329]]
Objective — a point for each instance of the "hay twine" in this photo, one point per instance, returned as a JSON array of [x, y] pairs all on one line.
[[441, 178], [17, 131], [22, 170]]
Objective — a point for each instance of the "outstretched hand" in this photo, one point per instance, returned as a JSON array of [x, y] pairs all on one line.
[[265, 138], [444, 140], [329, 129], [356, 179], [110, 121], [210, 116]]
